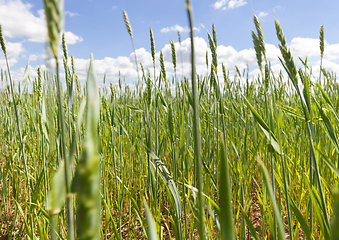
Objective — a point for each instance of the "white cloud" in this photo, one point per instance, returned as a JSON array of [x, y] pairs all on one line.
[[32, 72], [112, 66], [219, 4], [184, 64], [142, 56], [309, 47], [14, 50], [178, 28], [331, 51], [330, 66], [229, 4], [262, 14], [305, 47], [109, 66], [272, 53], [236, 3], [276, 68], [41, 57], [33, 57], [18, 21], [227, 55], [126, 65], [71, 38], [231, 58], [72, 14], [255, 73]]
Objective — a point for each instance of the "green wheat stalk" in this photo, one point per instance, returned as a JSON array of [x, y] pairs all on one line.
[[87, 178], [55, 22], [15, 103], [129, 30], [196, 131]]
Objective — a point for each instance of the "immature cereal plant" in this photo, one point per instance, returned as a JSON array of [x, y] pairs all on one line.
[[196, 132], [86, 181]]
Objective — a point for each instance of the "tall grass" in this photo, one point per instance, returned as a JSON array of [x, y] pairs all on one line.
[[208, 157]]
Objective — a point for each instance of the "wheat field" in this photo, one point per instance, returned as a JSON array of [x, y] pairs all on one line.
[[218, 156]]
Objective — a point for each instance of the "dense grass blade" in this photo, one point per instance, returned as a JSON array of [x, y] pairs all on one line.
[[164, 173], [225, 199], [330, 130], [335, 219], [152, 232], [196, 131], [300, 218], [276, 212], [86, 181], [264, 127]]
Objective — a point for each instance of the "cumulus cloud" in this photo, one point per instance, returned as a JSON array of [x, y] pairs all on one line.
[[71, 38], [126, 65], [255, 73], [229, 4], [142, 56], [184, 50], [227, 55], [262, 14], [331, 51], [330, 66], [112, 66], [272, 53], [41, 57], [309, 47], [219, 4], [109, 66], [18, 74], [14, 50], [71, 14], [178, 28], [18, 21], [236, 3], [305, 47], [33, 57], [277, 68]]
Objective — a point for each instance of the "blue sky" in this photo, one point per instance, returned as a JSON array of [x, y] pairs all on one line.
[[98, 27]]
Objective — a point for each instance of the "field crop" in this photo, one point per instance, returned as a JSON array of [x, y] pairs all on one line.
[[208, 157]]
